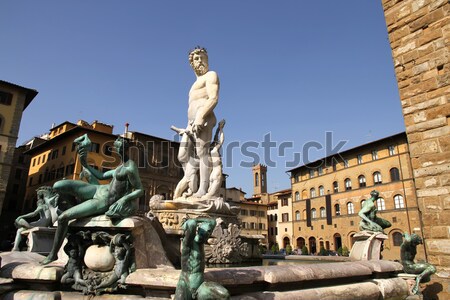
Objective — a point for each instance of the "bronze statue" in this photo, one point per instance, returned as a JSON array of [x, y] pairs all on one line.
[[47, 210], [408, 251], [118, 199], [191, 284], [368, 214]]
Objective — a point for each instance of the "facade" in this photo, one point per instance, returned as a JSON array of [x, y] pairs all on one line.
[[328, 194], [253, 216], [14, 100], [419, 34], [57, 159]]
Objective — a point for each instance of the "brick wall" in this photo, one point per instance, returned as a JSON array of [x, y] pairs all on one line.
[[419, 32]]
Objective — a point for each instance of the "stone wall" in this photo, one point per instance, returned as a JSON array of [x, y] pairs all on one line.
[[419, 32]]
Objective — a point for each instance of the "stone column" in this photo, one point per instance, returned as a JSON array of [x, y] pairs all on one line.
[[419, 32]]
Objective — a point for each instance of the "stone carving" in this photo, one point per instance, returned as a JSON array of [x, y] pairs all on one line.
[[408, 250], [368, 214], [118, 199], [99, 262], [195, 149], [168, 219], [47, 210], [191, 284], [226, 246]]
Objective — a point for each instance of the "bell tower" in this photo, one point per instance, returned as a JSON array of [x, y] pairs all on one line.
[[259, 179]]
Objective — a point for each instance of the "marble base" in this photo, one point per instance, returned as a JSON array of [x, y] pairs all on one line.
[[368, 245], [40, 239]]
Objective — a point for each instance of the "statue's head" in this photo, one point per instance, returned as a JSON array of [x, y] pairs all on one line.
[[45, 193], [416, 239], [204, 231], [198, 58], [374, 194], [121, 145]]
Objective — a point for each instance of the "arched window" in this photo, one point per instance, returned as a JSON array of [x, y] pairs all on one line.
[[275, 217], [263, 180], [350, 208], [362, 181], [362, 203], [395, 174], [312, 192], [377, 178], [304, 214], [256, 179], [313, 213], [398, 201], [321, 190], [397, 237], [348, 184], [304, 194], [297, 196], [323, 213], [297, 215], [335, 187], [270, 218], [337, 209], [381, 205]]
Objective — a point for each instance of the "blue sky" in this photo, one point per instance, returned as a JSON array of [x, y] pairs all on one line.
[[294, 69]]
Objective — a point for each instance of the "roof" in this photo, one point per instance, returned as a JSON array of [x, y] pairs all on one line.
[[283, 192], [235, 188], [397, 135], [29, 93], [252, 203], [153, 137]]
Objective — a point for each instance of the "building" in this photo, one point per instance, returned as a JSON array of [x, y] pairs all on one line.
[[14, 99], [328, 194], [418, 34], [57, 159]]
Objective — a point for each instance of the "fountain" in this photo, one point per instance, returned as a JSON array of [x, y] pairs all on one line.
[[103, 250]]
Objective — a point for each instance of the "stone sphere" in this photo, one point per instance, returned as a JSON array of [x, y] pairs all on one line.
[[99, 258]]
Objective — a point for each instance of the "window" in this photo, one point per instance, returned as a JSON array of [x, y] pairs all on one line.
[[244, 212], [313, 213], [253, 213], [39, 160], [320, 170], [391, 149], [262, 180], [398, 201], [95, 147], [345, 163], [377, 178], [312, 192], [381, 205], [271, 230], [334, 165], [63, 150], [297, 196], [73, 147], [5, 98], [337, 209], [350, 208], [297, 215], [362, 203], [311, 173], [34, 162], [285, 217], [323, 213], [321, 190], [261, 226], [374, 155], [362, 181], [395, 174], [335, 187], [348, 184], [360, 159], [54, 154], [256, 179], [394, 219], [296, 178], [252, 225], [261, 214], [397, 238], [284, 202], [69, 169], [107, 150]]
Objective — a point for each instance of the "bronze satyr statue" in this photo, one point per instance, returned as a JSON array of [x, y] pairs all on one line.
[[368, 214], [191, 284], [408, 251]]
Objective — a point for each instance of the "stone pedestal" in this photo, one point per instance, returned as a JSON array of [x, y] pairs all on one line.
[[368, 245], [226, 245], [40, 239]]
